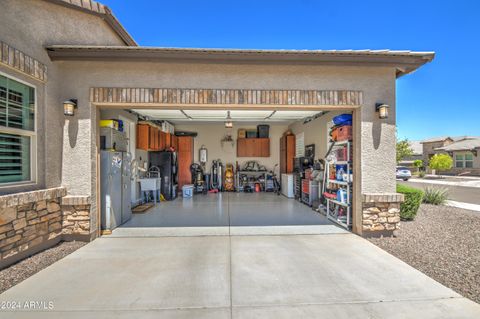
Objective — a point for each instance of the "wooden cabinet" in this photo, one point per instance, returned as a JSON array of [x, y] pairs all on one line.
[[150, 138], [143, 136], [264, 147], [253, 147], [287, 153], [174, 142], [185, 159], [161, 142], [168, 140]]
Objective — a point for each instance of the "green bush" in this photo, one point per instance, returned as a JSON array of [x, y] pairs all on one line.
[[413, 199], [441, 162], [421, 174], [418, 164], [435, 195]]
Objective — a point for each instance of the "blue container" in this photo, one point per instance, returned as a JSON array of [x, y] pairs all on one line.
[[343, 119]]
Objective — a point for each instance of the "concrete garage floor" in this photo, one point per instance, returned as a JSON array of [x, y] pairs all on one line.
[[240, 272], [227, 214]]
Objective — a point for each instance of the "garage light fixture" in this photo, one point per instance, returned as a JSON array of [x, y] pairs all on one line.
[[382, 110], [228, 122], [69, 107]]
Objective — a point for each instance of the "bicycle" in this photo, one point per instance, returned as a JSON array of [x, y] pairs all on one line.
[[276, 183]]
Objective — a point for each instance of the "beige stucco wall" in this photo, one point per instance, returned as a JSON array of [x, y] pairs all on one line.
[[377, 140], [70, 144], [29, 25], [210, 134]]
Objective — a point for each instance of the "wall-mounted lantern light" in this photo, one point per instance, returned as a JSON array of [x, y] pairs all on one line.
[[382, 110], [69, 107]]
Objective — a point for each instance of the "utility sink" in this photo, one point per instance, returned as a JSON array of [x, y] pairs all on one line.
[[149, 184]]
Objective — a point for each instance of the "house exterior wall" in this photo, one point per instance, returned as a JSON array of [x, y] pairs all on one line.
[[377, 137], [28, 26], [67, 147]]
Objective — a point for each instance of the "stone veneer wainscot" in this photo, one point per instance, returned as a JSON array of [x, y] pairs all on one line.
[[381, 214], [32, 221]]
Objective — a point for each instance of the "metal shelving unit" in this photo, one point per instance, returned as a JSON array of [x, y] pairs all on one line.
[[334, 206]]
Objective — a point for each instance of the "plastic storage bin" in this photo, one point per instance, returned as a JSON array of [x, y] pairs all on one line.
[[263, 130], [242, 133], [187, 191], [110, 123], [251, 134]]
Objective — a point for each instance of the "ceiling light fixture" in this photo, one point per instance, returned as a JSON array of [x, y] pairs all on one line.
[[228, 122]]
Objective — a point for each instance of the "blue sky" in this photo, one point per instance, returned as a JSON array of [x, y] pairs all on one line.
[[441, 98]]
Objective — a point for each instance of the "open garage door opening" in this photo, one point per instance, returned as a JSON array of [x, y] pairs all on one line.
[[225, 167]]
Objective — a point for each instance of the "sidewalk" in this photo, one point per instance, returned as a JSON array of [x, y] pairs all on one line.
[[468, 206], [448, 180]]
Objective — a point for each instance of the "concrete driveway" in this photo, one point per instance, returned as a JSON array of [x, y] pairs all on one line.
[[323, 275]]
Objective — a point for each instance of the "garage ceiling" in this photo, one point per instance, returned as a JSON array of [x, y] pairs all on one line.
[[221, 115]]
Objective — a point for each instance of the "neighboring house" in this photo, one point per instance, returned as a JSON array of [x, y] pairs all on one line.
[[54, 50], [463, 150], [417, 148]]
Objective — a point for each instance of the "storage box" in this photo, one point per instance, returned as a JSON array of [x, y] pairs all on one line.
[[110, 123], [242, 133], [342, 133], [111, 139], [251, 134], [263, 130], [187, 191]]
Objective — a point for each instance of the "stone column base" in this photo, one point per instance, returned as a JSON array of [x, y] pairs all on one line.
[[76, 215], [381, 214]]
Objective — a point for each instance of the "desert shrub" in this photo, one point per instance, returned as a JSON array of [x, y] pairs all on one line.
[[411, 203], [435, 195]]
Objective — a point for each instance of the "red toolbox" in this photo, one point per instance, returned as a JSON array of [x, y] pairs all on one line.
[[305, 186]]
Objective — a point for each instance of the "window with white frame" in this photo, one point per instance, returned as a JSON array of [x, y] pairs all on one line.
[[464, 160], [17, 131]]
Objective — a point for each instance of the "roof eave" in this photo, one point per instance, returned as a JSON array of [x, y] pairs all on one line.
[[404, 63]]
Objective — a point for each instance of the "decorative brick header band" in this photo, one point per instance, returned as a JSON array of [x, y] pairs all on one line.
[[225, 96], [13, 200], [76, 200], [383, 198], [19, 61]]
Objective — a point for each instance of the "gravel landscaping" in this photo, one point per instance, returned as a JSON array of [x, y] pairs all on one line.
[[444, 243], [20, 271]]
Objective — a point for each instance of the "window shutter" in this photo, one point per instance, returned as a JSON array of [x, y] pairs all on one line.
[[14, 158]]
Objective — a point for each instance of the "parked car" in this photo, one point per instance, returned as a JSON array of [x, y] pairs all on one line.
[[403, 173]]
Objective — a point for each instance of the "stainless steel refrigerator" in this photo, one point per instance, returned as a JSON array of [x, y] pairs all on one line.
[[115, 188]]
